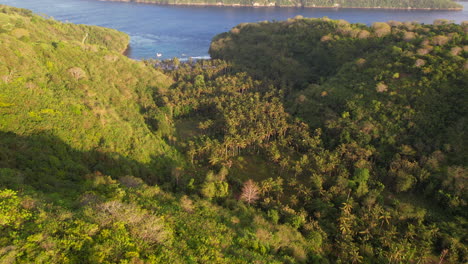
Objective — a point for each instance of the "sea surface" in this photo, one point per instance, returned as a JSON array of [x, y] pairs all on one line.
[[186, 31]]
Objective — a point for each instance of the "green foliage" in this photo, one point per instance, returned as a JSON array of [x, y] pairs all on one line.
[[215, 189], [359, 181], [351, 138], [384, 109], [84, 93], [12, 214]]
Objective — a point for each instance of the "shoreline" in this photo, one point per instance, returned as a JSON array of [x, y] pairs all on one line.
[[280, 6], [126, 53]]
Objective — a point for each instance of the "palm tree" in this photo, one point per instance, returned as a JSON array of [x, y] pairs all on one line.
[[355, 257], [385, 217]]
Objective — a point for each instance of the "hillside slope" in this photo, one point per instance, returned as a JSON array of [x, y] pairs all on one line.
[[71, 82], [82, 144], [312, 141], [390, 103]]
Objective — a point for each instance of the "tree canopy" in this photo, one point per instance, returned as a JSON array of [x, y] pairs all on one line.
[[302, 141]]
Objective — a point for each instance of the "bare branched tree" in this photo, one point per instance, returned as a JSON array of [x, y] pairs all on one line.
[[250, 192]]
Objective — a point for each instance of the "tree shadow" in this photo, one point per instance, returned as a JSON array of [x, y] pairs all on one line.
[[44, 163]]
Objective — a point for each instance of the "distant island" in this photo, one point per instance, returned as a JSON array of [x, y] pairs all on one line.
[[384, 4]]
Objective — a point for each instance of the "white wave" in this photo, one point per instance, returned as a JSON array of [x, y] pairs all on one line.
[[201, 58]]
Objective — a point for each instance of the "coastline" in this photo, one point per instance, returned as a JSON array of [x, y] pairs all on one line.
[[219, 4]]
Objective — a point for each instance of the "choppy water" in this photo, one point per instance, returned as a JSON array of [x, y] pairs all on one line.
[[182, 31]]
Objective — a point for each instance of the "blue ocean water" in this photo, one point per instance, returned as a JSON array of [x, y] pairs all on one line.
[[184, 31]]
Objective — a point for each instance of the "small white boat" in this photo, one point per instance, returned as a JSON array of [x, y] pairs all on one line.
[[158, 54]]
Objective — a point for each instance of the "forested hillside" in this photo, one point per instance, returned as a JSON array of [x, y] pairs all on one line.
[[390, 4], [80, 138], [390, 104], [304, 141]]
